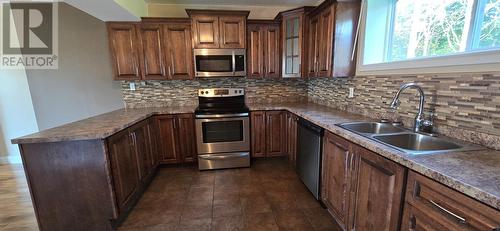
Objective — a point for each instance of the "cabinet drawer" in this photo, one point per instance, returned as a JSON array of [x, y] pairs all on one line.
[[449, 207]]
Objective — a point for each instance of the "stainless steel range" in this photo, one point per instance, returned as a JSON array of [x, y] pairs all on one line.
[[222, 129]]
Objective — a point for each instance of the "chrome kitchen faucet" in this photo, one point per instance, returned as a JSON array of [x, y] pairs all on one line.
[[421, 123]]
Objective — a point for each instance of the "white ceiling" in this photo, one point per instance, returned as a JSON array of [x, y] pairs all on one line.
[[240, 2]]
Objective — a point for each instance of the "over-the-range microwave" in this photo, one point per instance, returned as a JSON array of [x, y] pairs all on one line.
[[219, 62]]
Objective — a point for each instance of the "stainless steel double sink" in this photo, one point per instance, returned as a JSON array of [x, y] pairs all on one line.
[[406, 140]]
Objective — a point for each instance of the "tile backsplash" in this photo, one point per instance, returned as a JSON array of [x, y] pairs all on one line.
[[184, 92], [466, 106]]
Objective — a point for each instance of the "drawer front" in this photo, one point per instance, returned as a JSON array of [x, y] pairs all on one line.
[[449, 207], [417, 220]]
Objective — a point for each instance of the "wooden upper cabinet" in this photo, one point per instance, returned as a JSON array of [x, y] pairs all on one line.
[[205, 31], [379, 191], [152, 55], [325, 35], [263, 53], [179, 52], [336, 177], [293, 42], [345, 24], [312, 46], [255, 51], [272, 51], [124, 51], [331, 30], [232, 31], [218, 29]]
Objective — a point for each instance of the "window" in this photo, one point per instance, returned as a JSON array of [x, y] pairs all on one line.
[[415, 30]]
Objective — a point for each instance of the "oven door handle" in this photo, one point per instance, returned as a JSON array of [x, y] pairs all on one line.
[[221, 116], [223, 156]]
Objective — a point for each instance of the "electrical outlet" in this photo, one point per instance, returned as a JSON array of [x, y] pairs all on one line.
[[131, 86], [351, 92]]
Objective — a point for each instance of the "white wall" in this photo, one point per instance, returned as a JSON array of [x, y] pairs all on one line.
[[83, 85], [17, 117]]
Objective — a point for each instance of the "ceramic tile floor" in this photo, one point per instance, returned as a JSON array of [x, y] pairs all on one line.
[[267, 196]]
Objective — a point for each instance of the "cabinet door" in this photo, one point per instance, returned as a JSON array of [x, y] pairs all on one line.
[[275, 133], [123, 48], [179, 51], [123, 167], [292, 46], [167, 144], [258, 133], [336, 177], [292, 137], [379, 192], [312, 46], [187, 137], [232, 31], [205, 31], [153, 139], [272, 51], [346, 24], [255, 51], [151, 51], [142, 148], [325, 43]]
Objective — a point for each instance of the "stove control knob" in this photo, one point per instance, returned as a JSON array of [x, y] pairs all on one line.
[[202, 92], [206, 92], [240, 91]]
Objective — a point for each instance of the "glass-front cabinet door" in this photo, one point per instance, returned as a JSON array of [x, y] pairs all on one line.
[[292, 35]]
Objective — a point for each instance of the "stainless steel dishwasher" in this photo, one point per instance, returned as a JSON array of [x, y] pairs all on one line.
[[309, 148]]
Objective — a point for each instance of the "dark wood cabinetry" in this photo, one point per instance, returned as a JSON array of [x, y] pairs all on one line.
[[142, 146], [154, 49], [432, 206], [331, 29], [293, 42], [124, 167], [124, 53], [179, 52], [218, 29], [320, 34], [336, 177], [176, 138], [361, 189], [268, 131], [291, 142], [379, 191], [263, 53]]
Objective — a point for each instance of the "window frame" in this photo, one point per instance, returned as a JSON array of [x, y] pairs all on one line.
[[473, 59]]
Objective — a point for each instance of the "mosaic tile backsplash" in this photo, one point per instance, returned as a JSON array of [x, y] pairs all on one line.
[[184, 92], [465, 106]]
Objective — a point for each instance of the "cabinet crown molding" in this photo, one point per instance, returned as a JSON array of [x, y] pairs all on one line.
[[191, 12]]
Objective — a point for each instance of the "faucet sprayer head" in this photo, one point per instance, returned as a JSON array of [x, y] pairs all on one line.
[[395, 103]]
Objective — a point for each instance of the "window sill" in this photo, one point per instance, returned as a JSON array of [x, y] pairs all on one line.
[[479, 61]]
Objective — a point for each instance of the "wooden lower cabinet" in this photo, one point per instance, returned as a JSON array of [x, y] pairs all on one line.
[[268, 133], [291, 136], [433, 206], [336, 177], [124, 168], [176, 138], [379, 191], [142, 148], [361, 189]]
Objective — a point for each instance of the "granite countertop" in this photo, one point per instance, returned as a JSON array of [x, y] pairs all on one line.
[[474, 173]]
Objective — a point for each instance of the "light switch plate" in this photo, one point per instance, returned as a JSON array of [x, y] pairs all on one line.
[[131, 86]]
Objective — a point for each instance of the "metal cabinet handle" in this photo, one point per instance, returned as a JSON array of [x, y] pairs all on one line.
[[459, 218]]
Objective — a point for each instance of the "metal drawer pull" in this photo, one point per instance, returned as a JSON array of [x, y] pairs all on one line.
[[225, 156], [461, 219]]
